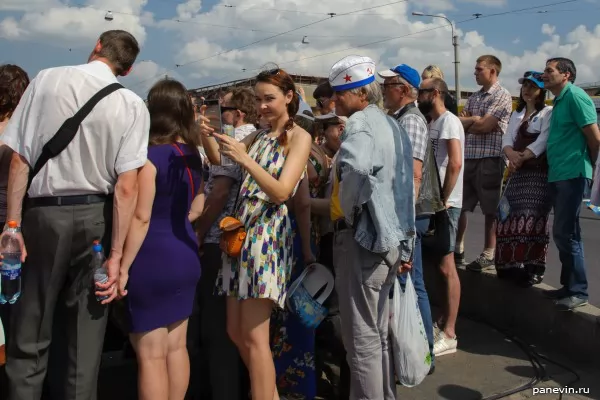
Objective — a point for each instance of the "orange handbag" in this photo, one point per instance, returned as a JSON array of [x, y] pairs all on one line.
[[233, 231], [233, 236]]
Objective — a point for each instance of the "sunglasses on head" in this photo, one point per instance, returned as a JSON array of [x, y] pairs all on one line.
[[533, 74], [321, 103], [269, 72], [224, 108]]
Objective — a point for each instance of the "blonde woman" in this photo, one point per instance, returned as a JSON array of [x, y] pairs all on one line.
[[433, 71]]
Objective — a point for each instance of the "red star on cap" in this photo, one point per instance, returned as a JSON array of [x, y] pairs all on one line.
[[347, 78]]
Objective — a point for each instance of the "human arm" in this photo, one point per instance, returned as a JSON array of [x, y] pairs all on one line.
[[18, 177], [419, 138], [197, 206], [302, 210], [584, 114], [140, 222], [455, 161], [592, 136], [355, 168], [538, 147], [124, 204], [278, 190], [499, 109], [508, 140], [417, 175], [214, 204], [131, 157], [321, 207]]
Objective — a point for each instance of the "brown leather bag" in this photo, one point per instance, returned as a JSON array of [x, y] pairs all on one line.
[[233, 236]]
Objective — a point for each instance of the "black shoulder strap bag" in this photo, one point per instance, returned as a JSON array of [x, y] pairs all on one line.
[[68, 130]]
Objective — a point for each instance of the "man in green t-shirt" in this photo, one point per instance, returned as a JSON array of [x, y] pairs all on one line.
[[573, 144]]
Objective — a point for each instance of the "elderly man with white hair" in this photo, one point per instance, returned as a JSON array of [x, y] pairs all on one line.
[[372, 207]]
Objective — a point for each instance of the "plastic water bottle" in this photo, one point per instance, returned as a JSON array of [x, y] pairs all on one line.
[[10, 271], [229, 130], [100, 273]]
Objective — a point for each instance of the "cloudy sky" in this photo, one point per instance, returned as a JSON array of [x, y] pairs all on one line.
[[204, 42]]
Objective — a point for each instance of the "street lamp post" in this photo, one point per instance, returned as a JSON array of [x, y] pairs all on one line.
[[456, 55]]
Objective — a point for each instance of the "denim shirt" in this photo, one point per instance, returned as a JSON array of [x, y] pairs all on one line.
[[376, 182]]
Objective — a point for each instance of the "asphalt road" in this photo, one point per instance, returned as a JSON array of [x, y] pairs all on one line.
[[590, 231]]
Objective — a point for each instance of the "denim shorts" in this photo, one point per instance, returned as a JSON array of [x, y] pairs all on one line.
[[453, 216]]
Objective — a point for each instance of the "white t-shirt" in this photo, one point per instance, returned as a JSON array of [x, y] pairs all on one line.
[[445, 128]]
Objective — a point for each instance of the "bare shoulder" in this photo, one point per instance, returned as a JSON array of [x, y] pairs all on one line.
[[300, 137]]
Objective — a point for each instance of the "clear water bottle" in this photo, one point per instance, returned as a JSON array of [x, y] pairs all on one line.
[[229, 130], [10, 271], [100, 273]]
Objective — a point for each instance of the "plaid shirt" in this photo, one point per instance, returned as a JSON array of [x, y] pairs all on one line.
[[496, 102], [417, 132]]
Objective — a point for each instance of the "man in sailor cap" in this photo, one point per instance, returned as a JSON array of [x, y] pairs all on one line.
[[372, 207]]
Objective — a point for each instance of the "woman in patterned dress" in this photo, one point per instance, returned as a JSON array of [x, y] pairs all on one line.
[[274, 161], [522, 239]]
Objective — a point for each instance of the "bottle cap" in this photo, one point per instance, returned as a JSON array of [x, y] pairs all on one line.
[[12, 224], [97, 247]]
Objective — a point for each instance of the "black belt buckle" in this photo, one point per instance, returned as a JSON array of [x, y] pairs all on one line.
[[340, 225]]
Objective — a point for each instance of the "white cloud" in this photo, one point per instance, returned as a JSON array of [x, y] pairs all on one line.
[[144, 74], [548, 29], [53, 21], [206, 49]]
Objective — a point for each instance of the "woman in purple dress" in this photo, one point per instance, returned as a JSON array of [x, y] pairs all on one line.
[[161, 266]]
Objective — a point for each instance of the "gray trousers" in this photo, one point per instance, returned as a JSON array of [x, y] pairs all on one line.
[[363, 282], [59, 246]]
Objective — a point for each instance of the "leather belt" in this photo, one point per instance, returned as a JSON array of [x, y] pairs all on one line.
[[340, 225], [67, 200]]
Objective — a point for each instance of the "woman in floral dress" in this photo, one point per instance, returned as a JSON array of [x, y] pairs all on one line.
[[274, 165]]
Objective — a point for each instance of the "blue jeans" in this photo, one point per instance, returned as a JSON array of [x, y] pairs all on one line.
[[566, 200], [421, 225]]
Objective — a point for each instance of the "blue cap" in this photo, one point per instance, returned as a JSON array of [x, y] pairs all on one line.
[[97, 247], [533, 76], [409, 74]]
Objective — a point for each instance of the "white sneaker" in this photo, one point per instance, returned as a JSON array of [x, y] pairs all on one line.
[[444, 345], [436, 331]]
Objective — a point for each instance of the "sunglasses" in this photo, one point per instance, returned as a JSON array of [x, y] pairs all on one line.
[[321, 103], [224, 108], [384, 86], [269, 72], [533, 74]]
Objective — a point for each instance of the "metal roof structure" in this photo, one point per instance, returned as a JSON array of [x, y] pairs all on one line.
[[308, 83]]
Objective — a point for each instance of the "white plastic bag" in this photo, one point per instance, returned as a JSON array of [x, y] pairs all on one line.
[[410, 348]]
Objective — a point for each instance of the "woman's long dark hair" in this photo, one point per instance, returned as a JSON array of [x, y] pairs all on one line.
[[171, 114], [540, 102], [13, 82], [285, 83]]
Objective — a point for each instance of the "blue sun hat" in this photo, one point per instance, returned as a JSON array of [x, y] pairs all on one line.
[[352, 72], [533, 76]]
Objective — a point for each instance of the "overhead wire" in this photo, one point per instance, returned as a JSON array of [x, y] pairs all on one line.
[[274, 36], [413, 33]]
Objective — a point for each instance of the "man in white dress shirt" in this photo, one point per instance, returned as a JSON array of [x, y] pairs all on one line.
[[85, 193]]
